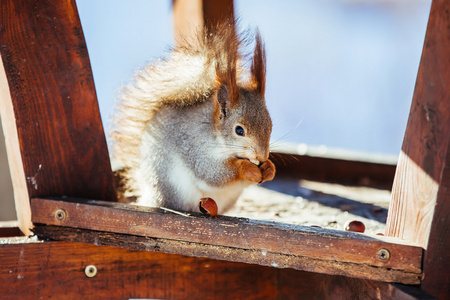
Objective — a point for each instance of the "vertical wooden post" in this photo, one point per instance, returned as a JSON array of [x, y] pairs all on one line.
[[191, 15], [217, 12], [187, 19], [420, 204], [55, 139], [436, 264]]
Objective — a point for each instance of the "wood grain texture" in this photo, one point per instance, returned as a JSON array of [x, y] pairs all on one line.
[[252, 256], [426, 143], [436, 265], [315, 243], [55, 270], [420, 204], [62, 144]]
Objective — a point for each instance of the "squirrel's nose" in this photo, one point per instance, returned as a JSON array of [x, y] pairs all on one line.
[[262, 154]]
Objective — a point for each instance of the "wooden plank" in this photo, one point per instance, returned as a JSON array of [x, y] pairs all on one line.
[[53, 103], [436, 265], [227, 231], [420, 197], [56, 270], [426, 143], [334, 169], [316, 243], [317, 286], [252, 256]]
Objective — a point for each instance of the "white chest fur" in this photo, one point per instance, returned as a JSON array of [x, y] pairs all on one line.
[[191, 189]]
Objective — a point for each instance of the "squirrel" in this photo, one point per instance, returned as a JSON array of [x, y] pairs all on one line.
[[195, 124]]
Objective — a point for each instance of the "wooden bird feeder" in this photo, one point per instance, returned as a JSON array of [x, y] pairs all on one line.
[[64, 192]]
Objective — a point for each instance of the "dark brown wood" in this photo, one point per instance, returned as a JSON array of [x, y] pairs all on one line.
[[314, 243], [56, 270], [217, 12], [10, 232], [334, 169], [420, 203], [252, 256], [62, 144], [294, 285], [436, 265]]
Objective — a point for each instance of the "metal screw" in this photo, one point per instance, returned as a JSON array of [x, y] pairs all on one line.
[[383, 255], [60, 214], [90, 271]]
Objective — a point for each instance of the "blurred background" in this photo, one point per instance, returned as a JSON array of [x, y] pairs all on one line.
[[343, 71], [340, 73]]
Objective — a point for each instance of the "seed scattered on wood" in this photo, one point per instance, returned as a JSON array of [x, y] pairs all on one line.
[[355, 226], [208, 206]]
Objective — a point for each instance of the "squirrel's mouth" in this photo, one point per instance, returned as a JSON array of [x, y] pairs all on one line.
[[253, 161]]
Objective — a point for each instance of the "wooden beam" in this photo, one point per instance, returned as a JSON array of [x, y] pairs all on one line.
[[316, 249], [59, 147], [190, 16], [187, 20], [334, 169], [232, 254], [57, 269], [436, 265], [420, 203], [217, 12], [418, 179]]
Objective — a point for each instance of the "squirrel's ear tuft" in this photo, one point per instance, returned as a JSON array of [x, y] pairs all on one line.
[[258, 68], [223, 101], [224, 43]]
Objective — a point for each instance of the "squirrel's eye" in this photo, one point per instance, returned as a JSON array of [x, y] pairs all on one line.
[[239, 131]]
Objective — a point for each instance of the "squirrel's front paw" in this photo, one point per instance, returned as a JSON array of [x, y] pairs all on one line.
[[267, 170], [247, 170]]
